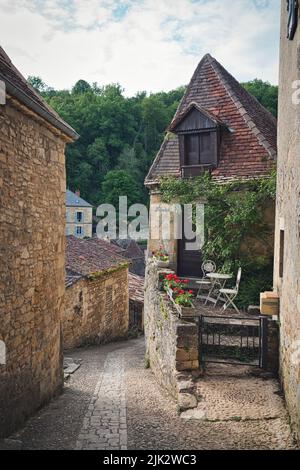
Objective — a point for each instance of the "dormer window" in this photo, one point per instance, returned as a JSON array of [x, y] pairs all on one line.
[[199, 135]]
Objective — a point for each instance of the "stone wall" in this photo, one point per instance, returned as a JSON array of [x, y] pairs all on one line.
[[171, 343], [96, 311], [288, 221], [32, 254]]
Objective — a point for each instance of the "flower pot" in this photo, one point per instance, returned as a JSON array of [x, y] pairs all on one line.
[[187, 312], [163, 264]]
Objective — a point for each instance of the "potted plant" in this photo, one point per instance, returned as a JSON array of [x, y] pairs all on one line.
[[162, 258], [184, 300]]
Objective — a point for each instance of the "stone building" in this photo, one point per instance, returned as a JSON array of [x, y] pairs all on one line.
[[79, 215], [97, 295], [287, 231], [32, 247], [218, 128]]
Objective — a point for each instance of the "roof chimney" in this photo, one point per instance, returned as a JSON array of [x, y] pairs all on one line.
[[77, 192]]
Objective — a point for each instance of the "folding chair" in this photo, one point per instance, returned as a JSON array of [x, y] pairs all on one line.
[[230, 294], [206, 268]]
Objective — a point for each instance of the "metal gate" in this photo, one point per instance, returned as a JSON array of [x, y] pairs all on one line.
[[233, 340]]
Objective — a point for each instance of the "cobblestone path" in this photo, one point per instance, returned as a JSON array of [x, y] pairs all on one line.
[[113, 402], [104, 424]]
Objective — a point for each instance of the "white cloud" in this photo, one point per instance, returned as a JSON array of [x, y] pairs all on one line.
[[156, 44]]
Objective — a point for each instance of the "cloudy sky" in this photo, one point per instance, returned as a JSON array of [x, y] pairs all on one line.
[[142, 44]]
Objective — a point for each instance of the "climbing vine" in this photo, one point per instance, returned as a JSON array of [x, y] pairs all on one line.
[[237, 229]]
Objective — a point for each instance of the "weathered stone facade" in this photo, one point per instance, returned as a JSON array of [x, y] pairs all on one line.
[[171, 343], [32, 182], [287, 233], [96, 311]]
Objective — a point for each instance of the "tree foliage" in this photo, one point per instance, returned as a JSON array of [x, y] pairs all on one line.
[[118, 132], [265, 93]]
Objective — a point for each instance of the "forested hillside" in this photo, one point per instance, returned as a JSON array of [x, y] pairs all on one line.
[[119, 135]]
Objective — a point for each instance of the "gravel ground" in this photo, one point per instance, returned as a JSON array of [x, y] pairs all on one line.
[[238, 410]]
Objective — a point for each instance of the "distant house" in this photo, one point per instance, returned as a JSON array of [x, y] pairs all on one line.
[[79, 215], [218, 128], [97, 293], [132, 251]]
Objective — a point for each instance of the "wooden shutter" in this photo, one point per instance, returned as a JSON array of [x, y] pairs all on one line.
[[192, 149], [205, 145]]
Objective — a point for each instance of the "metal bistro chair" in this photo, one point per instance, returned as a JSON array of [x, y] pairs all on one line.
[[207, 267], [230, 294]]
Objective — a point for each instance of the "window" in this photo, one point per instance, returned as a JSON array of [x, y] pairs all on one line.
[[79, 231], [79, 216], [281, 254], [198, 149]]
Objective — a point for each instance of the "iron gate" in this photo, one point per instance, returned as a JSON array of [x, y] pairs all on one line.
[[233, 340]]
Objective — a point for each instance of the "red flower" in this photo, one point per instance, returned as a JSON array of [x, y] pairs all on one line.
[[191, 292]]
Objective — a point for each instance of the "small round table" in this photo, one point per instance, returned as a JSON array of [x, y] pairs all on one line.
[[220, 279]]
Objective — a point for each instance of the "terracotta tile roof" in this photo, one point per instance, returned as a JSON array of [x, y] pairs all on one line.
[[248, 151], [136, 287], [19, 88], [87, 257]]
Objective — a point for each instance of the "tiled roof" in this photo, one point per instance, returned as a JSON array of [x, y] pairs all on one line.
[[87, 257], [130, 247], [136, 287], [248, 150], [19, 88], [72, 200], [71, 278]]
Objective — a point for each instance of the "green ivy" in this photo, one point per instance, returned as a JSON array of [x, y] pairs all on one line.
[[234, 216]]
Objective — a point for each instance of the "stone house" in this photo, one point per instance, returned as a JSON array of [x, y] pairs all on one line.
[[32, 247], [97, 294], [79, 215], [287, 230], [218, 128]]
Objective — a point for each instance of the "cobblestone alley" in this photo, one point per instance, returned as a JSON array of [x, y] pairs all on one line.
[[112, 402]]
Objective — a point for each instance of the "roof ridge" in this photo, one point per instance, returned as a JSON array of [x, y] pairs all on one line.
[[241, 107]]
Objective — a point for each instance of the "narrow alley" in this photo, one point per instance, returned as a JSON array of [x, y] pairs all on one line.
[[113, 402]]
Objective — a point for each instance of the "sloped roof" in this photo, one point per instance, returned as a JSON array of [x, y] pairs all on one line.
[[136, 287], [248, 150], [87, 257], [72, 200], [130, 247], [19, 88]]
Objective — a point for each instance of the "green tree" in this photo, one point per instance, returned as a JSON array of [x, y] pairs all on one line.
[[119, 183], [265, 93]]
